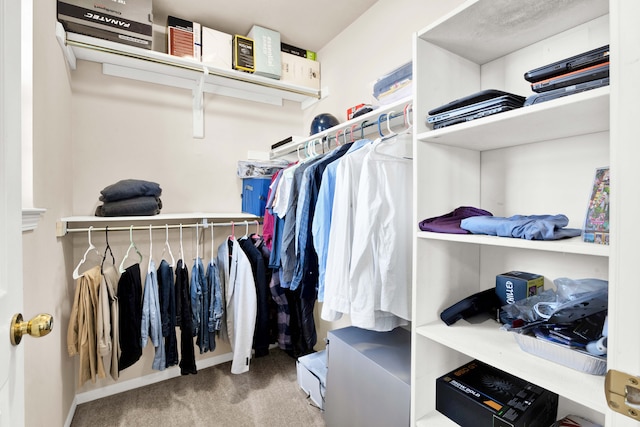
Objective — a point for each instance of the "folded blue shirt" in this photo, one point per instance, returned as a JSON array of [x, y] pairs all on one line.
[[532, 227]]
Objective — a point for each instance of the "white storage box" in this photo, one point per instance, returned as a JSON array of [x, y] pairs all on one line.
[[300, 71], [216, 48], [312, 375]]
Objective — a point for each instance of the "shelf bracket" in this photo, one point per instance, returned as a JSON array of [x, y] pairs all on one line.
[[61, 35], [198, 105]]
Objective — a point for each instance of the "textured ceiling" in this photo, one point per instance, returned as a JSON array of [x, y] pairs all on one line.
[[303, 23]]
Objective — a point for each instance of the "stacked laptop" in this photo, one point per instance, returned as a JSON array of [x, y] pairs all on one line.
[[480, 104], [586, 71]]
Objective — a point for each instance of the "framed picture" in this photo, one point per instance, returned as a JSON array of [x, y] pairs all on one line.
[[596, 225]]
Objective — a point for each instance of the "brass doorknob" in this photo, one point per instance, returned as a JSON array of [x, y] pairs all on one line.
[[39, 326]]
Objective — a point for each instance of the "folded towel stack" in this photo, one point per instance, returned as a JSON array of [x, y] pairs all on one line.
[[130, 197]]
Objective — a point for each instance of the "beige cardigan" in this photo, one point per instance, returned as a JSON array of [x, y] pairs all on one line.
[[81, 334]]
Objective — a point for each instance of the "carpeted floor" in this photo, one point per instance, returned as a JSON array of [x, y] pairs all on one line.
[[268, 395]]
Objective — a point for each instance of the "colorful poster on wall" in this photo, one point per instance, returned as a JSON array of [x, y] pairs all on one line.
[[596, 226]]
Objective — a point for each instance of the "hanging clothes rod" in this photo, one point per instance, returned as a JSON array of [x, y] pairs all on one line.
[[164, 227], [353, 129]]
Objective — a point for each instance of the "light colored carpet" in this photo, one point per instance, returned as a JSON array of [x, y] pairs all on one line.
[[267, 395]]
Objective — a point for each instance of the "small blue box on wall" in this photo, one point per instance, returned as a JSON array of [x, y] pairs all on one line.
[[254, 195]]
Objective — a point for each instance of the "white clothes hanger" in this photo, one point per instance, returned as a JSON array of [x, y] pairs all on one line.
[[197, 245], [167, 247], [184, 265], [132, 245], [257, 227], [392, 136], [150, 248], [76, 272], [212, 240]]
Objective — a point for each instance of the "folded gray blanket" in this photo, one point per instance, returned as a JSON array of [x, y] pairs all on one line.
[[128, 189], [136, 206]]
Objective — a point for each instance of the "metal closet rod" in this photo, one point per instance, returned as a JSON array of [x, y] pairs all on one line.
[[164, 227], [365, 124]]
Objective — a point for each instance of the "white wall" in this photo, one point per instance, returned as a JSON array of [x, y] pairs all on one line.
[[47, 287], [91, 130], [375, 44]]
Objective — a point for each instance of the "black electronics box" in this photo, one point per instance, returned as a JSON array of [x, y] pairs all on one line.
[[479, 395], [128, 22]]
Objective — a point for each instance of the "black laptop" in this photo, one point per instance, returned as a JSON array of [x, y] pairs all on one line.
[[480, 104], [537, 98], [595, 72], [583, 60]]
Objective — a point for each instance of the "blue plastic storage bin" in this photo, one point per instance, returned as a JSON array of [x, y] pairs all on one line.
[[254, 195]]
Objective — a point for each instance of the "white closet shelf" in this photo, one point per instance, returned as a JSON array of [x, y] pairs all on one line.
[[145, 65], [162, 68], [500, 27], [472, 340], [549, 120], [204, 218], [573, 245]]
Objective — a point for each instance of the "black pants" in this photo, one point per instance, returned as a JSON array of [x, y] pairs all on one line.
[[130, 316]]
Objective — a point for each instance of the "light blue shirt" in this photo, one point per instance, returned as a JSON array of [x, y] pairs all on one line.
[[151, 325], [322, 217]]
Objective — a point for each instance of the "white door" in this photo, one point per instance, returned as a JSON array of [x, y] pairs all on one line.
[[11, 357]]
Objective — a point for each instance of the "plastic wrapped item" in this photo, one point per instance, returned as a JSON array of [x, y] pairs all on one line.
[[259, 168], [395, 85], [575, 421]]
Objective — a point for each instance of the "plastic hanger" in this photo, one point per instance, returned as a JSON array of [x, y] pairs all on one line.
[[150, 249], [184, 265], [362, 126], [338, 136], [353, 127], [132, 245], [212, 240], [167, 247], [257, 227], [108, 248], [76, 272], [197, 246], [380, 117]]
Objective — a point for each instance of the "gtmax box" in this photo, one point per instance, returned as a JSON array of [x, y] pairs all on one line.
[[517, 285], [479, 395], [127, 22]]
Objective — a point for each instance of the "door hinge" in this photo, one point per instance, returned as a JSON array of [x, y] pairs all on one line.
[[623, 393]]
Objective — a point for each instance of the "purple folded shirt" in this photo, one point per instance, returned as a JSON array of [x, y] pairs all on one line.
[[450, 223]]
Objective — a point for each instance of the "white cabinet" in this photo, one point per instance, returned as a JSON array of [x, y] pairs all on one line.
[[539, 159]]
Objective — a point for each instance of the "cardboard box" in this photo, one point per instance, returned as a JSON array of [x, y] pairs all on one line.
[[479, 395], [284, 47], [216, 48], [243, 54], [516, 285], [254, 195], [266, 52], [300, 71], [312, 375], [183, 38], [123, 22]]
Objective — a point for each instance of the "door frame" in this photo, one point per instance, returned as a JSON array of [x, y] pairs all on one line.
[[12, 410]]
